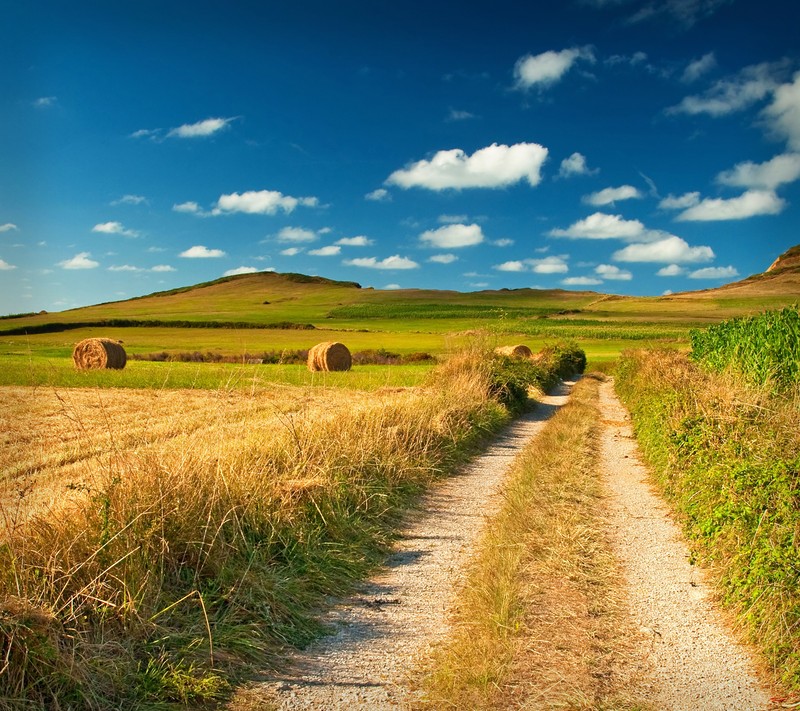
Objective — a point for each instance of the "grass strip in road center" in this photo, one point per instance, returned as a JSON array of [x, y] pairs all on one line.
[[540, 622]]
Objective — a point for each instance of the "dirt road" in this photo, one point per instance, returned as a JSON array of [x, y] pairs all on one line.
[[686, 660]]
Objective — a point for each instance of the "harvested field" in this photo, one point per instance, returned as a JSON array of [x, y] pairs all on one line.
[[55, 443]]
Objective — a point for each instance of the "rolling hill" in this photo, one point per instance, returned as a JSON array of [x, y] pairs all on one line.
[[286, 305]]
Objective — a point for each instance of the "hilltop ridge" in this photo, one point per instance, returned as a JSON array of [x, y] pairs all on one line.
[[790, 259]]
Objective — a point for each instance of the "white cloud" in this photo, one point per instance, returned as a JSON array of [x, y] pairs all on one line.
[[296, 234], [686, 12], [130, 200], [79, 261], [125, 268], [714, 273], [5, 266], [291, 251], [698, 67], [602, 226], [608, 196], [8, 227], [495, 166], [379, 195], [453, 236], [146, 133], [451, 219], [670, 249], [45, 102], [502, 242], [581, 281], [206, 127], [575, 165], [783, 114], [751, 85], [327, 251], [241, 270], [443, 258], [392, 287], [455, 115], [512, 266], [260, 202], [189, 206], [749, 204], [681, 202], [609, 271], [162, 268], [671, 270], [549, 67], [393, 262], [768, 175], [114, 228], [360, 241], [201, 252], [548, 265]]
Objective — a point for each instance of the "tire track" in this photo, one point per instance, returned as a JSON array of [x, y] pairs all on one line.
[[386, 630], [690, 660]]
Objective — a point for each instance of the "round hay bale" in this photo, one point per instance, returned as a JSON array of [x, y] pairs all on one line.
[[98, 354], [518, 351], [330, 355]]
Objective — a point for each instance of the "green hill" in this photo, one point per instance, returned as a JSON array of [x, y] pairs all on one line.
[[269, 310]]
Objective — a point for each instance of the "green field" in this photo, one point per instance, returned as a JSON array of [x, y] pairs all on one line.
[[270, 312]]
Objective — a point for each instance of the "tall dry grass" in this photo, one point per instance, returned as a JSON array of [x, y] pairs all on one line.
[[183, 559]]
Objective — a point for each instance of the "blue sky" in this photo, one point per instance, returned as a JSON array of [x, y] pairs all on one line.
[[627, 146]]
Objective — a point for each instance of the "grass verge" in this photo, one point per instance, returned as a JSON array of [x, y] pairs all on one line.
[[728, 457], [539, 623]]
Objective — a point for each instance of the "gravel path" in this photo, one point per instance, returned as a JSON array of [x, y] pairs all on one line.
[[690, 660], [388, 627], [687, 660]]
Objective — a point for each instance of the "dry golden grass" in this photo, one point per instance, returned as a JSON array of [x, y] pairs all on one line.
[[55, 445], [540, 623], [206, 528]]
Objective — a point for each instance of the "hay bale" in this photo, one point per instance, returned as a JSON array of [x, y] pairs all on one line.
[[518, 351], [98, 354], [329, 356]]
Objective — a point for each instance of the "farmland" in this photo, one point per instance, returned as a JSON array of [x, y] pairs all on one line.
[[172, 525], [273, 312]]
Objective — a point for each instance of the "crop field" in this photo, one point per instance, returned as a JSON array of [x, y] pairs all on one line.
[[156, 543], [764, 349], [170, 525]]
